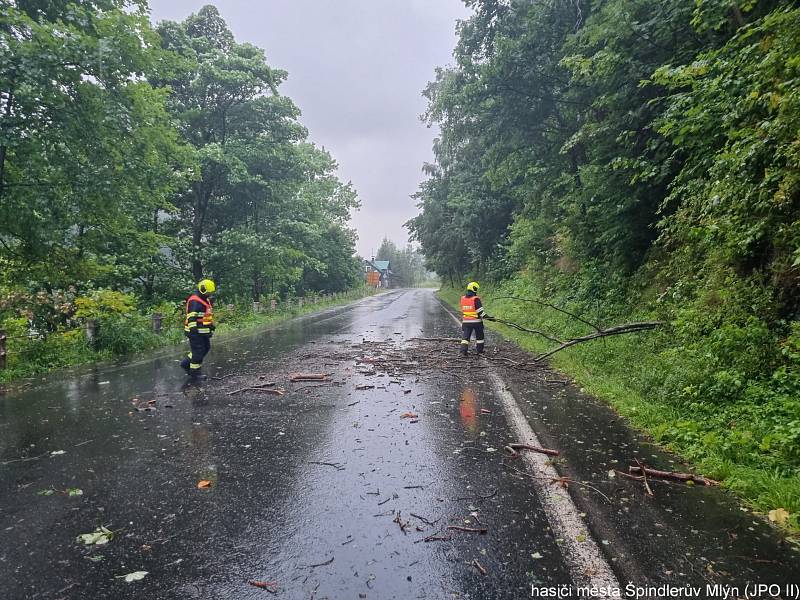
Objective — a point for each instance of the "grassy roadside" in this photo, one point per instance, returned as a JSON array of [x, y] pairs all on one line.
[[27, 358], [624, 371]]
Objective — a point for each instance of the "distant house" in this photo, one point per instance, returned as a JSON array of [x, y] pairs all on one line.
[[378, 273]]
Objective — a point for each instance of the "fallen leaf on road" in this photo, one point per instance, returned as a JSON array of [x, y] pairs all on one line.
[[779, 516], [57, 452], [72, 492], [98, 537], [135, 576], [48, 492], [409, 415], [203, 484]]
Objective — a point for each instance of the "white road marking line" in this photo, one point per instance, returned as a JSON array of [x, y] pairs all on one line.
[[585, 561]]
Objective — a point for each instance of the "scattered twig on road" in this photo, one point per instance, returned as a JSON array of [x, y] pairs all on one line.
[[322, 564], [413, 487], [644, 478], [83, 443], [424, 520], [481, 530], [673, 475], [479, 497], [436, 537], [270, 586], [511, 451], [336, 466], [535, 449], [295, 377], [13, 460], [478, 566], [384, 501], [435, 339], [400, 523], [354, 403], [563, 481], [365, 387]]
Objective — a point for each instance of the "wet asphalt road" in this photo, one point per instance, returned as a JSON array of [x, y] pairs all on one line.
[[328, 491]]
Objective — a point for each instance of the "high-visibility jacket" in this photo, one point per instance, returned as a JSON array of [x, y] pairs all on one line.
[[199, 315], [471, 309]]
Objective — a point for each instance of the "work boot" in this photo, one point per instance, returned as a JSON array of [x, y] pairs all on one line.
[[185, 365], [197, 375]]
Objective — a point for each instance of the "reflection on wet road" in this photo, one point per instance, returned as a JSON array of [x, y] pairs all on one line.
[[395, 490]]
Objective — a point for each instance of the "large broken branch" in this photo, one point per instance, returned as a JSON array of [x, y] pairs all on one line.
[[526, 330], [616, 330], [554, 307]]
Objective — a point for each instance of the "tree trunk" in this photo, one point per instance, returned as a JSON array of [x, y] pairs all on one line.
[[201, 197], [3, 148]]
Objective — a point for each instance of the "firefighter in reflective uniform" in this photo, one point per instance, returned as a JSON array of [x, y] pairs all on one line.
[[473, 315], [199, 327]]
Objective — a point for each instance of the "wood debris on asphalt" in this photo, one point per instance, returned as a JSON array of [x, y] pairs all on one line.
[[644, 471], [295, 377], [269, 586]]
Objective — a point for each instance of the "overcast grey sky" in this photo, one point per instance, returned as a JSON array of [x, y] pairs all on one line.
[[356, 69]]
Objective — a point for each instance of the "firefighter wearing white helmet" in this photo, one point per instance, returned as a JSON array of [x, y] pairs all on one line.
[[473, 314], [198, 326]]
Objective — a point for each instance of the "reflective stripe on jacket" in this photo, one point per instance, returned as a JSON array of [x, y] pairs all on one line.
[[199, 315]]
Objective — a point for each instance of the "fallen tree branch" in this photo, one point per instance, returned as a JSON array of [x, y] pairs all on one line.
[[526, 330], [672, 475], [546, 451], [554, 307], [616, 330]]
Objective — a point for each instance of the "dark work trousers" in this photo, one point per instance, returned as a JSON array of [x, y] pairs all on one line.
[[467, 329], [200, 345]]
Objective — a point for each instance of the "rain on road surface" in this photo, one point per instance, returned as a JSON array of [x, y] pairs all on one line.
[[330, 492]]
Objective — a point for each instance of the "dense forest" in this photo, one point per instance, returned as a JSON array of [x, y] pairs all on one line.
[[136, 159], [635, 159]]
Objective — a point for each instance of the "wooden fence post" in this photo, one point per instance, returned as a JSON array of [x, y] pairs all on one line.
[[273, 305], [158, 320], [256, 307], [2, 348]]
